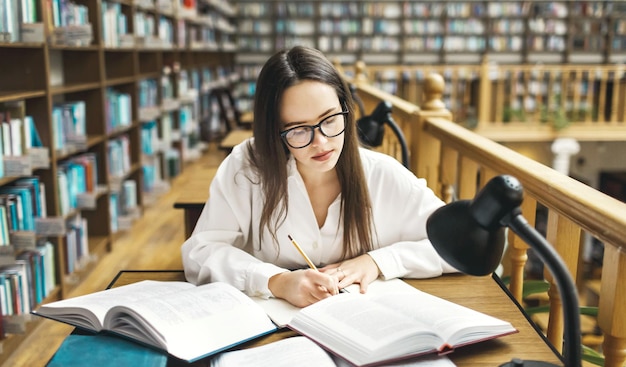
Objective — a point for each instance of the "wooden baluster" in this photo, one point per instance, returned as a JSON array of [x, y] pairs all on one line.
[[590, 93], [518, 250], [565, 236], [485, 100], [616, 98], [537, 82], [448, 173], [602, 98], [467, 178], [612, 307], [576, 83], [501, 96]]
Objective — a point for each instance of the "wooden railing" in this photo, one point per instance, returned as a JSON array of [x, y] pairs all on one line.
[[518, 102], [456, 162]]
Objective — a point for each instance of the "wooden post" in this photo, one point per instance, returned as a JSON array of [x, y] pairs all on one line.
[[426, 150], [564, 236], [612, 306], [434, 85], [484, 98], [360, 72], [518, 251]]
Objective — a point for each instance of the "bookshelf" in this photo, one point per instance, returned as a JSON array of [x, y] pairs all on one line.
[[115, 91], [431, 32]]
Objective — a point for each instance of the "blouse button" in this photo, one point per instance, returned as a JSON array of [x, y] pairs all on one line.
[[315, 245]]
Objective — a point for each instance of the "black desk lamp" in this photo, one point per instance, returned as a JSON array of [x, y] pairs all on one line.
[[371, 129], [469, 235]]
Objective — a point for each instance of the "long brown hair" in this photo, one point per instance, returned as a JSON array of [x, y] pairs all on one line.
[[268, 155]]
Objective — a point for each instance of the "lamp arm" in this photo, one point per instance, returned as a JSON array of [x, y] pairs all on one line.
[[400, 136], [572, 350]]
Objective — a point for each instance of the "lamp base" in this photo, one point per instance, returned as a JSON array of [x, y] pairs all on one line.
[[516, 362]]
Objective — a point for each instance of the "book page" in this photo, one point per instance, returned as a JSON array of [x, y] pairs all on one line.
[[455, 324], [281, 311], [294, 351], [88, 311], [193, 323]]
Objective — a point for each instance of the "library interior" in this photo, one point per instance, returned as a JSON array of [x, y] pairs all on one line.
[[115, 115]]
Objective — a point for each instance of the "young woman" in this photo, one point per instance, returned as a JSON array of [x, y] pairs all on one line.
[[357, 214]]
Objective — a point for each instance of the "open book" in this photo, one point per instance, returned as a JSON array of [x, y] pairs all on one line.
[[382, 327], [189, 322], [302, 352]]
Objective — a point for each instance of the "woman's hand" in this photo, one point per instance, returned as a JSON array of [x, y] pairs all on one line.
[[303, 287], [362, 270]]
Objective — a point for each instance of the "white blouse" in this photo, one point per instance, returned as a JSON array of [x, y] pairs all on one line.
[[225, 245]]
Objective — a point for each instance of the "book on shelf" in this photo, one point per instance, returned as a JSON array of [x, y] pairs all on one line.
[[189, 322], [15, 292], [303, 352], [24, 216]]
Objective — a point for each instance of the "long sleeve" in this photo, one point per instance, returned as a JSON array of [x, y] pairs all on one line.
[[220, 247]]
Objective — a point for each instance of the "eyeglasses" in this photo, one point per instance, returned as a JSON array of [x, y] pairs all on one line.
[[301, 136]]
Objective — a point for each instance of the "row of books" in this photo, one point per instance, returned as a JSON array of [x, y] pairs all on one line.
[[69, 125], [118, 110], [148, 93], [18, 135], [76, 178], [152, 174], [422, 9], [114, 25], [159, 31], [21, 202], [123, 206], [76, 244], [26, 281], [118, 156], [14, 13]]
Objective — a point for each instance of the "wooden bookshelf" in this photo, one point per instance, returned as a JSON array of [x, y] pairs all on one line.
[[185, 52], [431, 32]]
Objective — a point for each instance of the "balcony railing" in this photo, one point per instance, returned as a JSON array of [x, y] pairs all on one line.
[[518, 102], [457, 162]]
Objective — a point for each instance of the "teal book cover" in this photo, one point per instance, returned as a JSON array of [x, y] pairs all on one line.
[[104, 350]]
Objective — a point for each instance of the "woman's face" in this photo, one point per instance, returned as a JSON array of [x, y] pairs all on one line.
[[308, 103]]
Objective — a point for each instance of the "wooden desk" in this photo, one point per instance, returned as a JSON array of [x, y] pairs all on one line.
[[483, 294], [193, 197]]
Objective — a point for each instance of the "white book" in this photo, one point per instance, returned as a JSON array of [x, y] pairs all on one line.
[[49, 267], [189, 322], [16, 137], [6, 139], [375, 329]]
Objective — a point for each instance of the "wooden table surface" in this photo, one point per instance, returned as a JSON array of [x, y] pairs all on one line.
[[193, 197], [483, 294]]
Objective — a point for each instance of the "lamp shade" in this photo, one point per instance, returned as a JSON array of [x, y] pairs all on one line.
[[470, 235]]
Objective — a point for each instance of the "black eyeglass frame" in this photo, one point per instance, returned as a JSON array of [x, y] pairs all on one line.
[[283, 134]]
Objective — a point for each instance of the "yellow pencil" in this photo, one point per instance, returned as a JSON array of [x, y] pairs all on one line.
[[306, 258]]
